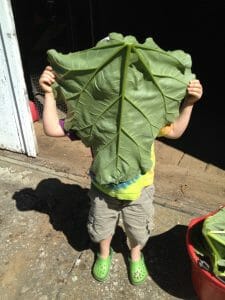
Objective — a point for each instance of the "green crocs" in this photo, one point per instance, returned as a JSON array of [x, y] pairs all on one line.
[[102, 267], [138, 271]]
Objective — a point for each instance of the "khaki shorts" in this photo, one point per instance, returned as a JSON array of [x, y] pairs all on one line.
[[137, 216]]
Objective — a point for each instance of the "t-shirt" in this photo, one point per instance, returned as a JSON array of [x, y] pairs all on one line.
[[131, 189]]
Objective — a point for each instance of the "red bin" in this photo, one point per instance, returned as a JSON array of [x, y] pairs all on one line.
[[207, 286], [34, 111]]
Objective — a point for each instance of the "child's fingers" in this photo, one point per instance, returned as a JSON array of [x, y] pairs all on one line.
[[49, 68], [195, 92], [194, 89], [45, 79], [50, 79], [49, 73], [195, 84], [194, 81]]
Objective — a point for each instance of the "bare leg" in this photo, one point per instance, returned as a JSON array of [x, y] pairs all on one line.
[[138, 271], [104, 247], [135, 252]]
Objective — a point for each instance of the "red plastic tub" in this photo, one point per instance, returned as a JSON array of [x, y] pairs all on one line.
[[207, 286], [34, 111]]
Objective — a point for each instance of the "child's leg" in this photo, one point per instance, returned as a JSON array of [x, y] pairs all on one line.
[[138, 221], [102, 221], [135, 252], [104, 247]]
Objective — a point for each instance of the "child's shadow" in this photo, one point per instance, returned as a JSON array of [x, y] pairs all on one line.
[[66, 204]]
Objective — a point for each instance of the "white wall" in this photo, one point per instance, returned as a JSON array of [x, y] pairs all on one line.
[[16, 125]]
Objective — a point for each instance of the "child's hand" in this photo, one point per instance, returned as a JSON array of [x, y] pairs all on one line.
[[47, 78], [194, 92]]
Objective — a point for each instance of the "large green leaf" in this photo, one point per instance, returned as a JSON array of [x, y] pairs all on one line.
[[214, 232], [119, 94]]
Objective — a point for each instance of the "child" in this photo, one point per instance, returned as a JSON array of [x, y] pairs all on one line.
[[108, 202]]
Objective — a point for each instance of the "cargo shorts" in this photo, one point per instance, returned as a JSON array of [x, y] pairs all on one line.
[[137, 216]]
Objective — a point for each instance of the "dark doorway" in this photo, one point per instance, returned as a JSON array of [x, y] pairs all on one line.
[[196, 28], [45, 24]]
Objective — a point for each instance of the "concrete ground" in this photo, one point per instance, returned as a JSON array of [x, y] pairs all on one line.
[[45, 251]]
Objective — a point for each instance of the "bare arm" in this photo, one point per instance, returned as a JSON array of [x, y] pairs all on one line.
[[50, 116], [194, 93]]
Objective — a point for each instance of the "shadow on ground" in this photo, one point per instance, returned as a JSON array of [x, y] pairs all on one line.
[[67, 207], [169, 264], [66, 204]]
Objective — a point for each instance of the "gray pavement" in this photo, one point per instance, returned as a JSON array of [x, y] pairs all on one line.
[[45, 251]]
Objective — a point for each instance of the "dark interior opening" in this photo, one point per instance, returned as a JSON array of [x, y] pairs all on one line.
[[197, 28]]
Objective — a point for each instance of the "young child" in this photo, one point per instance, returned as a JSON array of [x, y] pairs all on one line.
[[108, 202]]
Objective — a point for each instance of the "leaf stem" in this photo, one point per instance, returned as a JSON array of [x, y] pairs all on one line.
[[124, 71]]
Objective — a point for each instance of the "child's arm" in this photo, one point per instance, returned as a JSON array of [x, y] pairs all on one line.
[[50, 116], [194, 93]]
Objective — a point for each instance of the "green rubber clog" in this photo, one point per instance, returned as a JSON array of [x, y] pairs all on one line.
[[102, 267], [138, 271]]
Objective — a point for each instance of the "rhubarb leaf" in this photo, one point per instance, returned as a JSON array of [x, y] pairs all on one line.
[[213, 231], [119, 94]]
